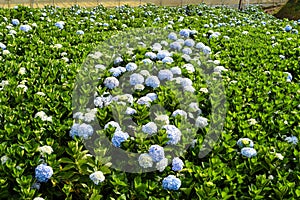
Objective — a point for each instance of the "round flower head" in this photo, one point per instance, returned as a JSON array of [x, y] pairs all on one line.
[[173, 133], [156, 47], [15, 22], [162, 119], [118, 61], [165, 74], [119, 137], [38, 198], [185, 82], [144, 101], [152, 96], [201, 122], [85, 131], [151, 55], [43, 173], [97, 177], [152, 81], [206, 50], [177, 164], [248, 152], [79, 32], [131, 67], [292, 139], [175, 70], [175, 46], [130, 111], [25, 28], [172, 36], [136, 79], [245, 142], [111, 82], [162, 54], [185, 32], [2, 46], [171, 183], [288, 28], [219, 69], [182, 113], [45, 150], [167, 60], [115, 71], [145, 160], [145, 73], [147, 61], [289, 76], [74, 130], [161, 165], [149, 128], [200, 45], [98, 102], [59, 25], [156, 152], [113, 124], [189, 67], [187, 51], [189, 42]]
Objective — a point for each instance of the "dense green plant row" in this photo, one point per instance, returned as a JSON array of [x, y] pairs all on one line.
[[42, 53]]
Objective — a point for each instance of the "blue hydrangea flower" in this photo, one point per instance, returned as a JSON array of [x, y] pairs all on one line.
[[201, 122], [206, 50], [150, 55], [144, 101], [185, 32], [292, 139], [162, 54], [85, 131], [152, 96], [130, 111], [171, 183], [175, 46], [156, 152], [15, 22], [186, 82], [113, 124], [149, 128], [74, 130], [167, 60], [136, 79], [173, 133], [288, 28], [189, 42], [2, 46], [79, 32], [97, 177], [186, 57], [131, 67], [214, 35], [206, 26], [118, 61], [156, 47], [289, 76], [43, 173], [179, 112], [177, 164], [172, 36], [200, 45], [152, 81], [245, 142], [165, 74], [187, 51], [111, 82], [147, 61], [25, 28], [105, 24], [115, 72], [145, 160], [248, 152], [119, 137], [162, 164], [176, 70], [60, 24]]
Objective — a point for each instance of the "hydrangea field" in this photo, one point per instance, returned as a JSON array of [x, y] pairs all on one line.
[[206, 106]]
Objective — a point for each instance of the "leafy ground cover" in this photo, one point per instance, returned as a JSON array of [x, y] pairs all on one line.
[[42, 140]]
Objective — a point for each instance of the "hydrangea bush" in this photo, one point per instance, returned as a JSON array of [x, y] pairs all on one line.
[[42, 153]]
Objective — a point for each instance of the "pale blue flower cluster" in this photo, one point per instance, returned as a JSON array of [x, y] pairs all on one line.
[[292, 139], [60, 24], [189, 42], [175, 46], [147, 61], [118, 61], [131, 67], [289, 76], [111, 82], [172, 36], [182, 113], [145, 160], [112, 124], [81, 130], [119, 137], [187, 51], [2, 46], [185, 32], [152, 81], [25, 28], [116, 71], [156, 152], [167, 60], [245, 142], [136, 79], [288, 28], [144, 101], [248, 152], [165, 74], [152, 96], [201, 122], [149, 128], [43, 173], [80, 32], [130, 111], [173, 133], [171, 183], [177, 164], [97, 177], [151, 55], [162, 54], [15, 22], [176, 70]]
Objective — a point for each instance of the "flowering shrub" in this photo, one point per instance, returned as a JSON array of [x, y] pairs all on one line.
[[42, 143]]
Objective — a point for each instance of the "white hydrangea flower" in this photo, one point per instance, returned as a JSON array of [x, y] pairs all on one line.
[[38, 198], [201, 122], [252, 121], [45, 149], [279, 156], [43, 116], [41, 94], [162, 118], [22, 71], [204, 90], [4, 159], [24, 87], [145, 160], [162, 164], [97, 177]]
